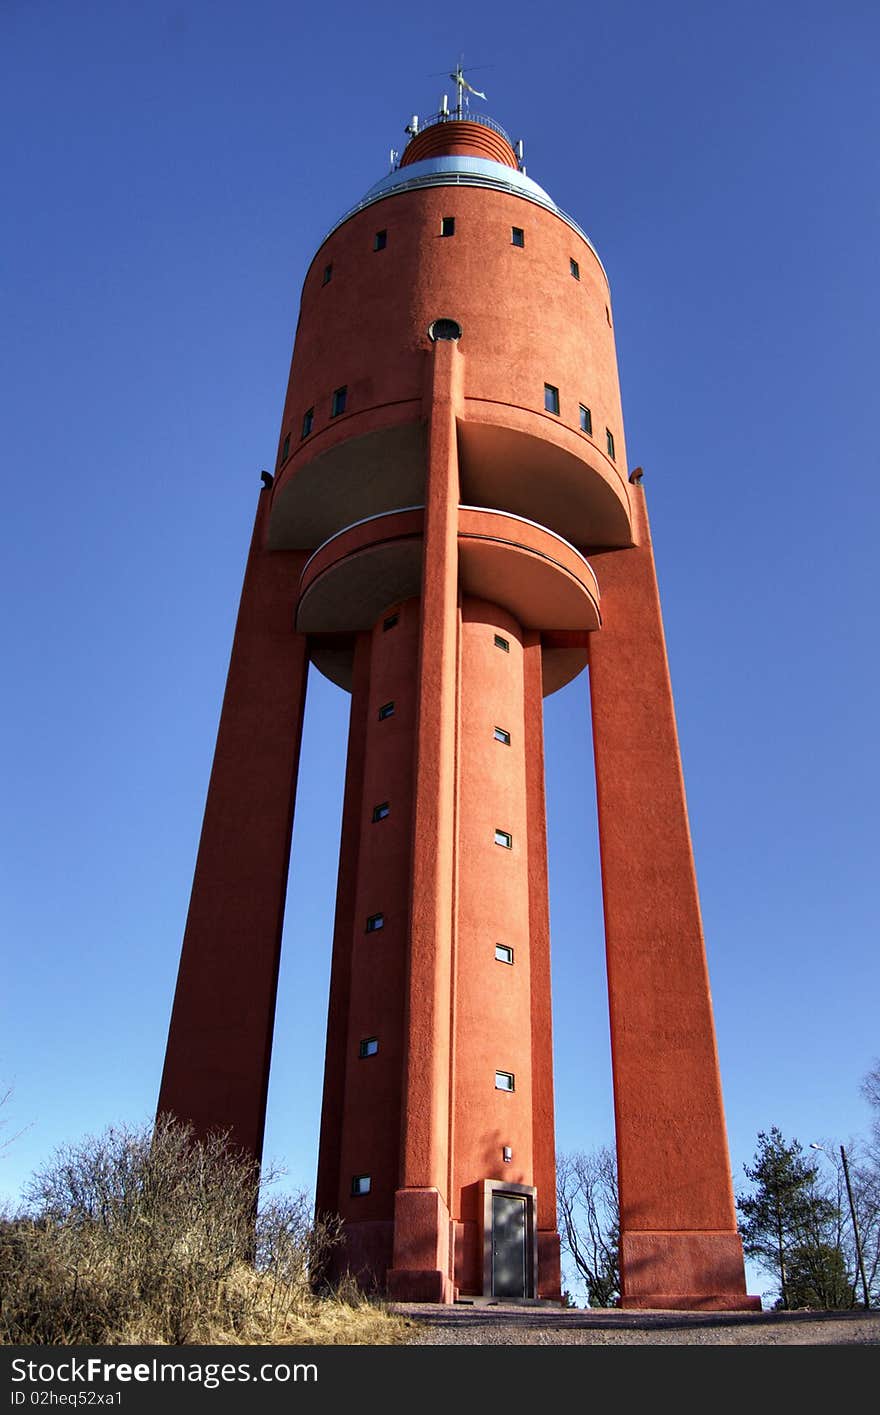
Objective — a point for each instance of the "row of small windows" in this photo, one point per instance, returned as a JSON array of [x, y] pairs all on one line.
[[585, 417], [447, 228], [339, 399], [380, 241]]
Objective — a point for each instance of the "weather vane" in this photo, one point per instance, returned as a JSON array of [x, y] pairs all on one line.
[[461, 83]]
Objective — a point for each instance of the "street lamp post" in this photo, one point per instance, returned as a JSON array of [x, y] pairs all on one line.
[[852, 1209]]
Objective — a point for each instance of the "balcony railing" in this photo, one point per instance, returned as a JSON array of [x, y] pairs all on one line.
[[466, 115]]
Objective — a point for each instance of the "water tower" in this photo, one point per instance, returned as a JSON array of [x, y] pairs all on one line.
[[451, 534]]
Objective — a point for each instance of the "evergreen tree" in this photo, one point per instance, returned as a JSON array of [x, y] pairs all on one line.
[[818, 1277], [784, 1220]]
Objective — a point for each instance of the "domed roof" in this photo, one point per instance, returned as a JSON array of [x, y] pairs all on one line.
[[453, 156]]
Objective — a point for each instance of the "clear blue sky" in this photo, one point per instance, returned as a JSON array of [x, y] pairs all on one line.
[[169, 171]]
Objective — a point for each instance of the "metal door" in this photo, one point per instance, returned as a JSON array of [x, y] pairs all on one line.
[[509, 1231]]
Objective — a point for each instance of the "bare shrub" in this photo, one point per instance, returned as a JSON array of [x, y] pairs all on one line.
[[148, 1236]]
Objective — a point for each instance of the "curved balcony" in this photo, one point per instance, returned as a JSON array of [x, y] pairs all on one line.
[[538, 577]]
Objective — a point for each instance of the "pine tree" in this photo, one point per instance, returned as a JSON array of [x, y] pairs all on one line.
[[784, 1219]]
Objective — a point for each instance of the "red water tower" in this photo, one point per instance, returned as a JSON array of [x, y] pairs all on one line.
[[451, 535]]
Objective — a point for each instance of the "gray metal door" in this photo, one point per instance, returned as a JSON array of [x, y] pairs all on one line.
[[508, 1245]]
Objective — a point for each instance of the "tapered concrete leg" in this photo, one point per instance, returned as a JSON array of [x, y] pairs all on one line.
[[679, 1246], [217, 1060]]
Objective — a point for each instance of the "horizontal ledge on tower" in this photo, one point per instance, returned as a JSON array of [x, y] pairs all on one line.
[[532, 572]]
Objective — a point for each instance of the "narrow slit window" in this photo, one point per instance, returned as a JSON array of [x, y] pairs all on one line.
[[340, 396], [375, 922], [360, 1184], [369, 1046], [381, 811], [503, 953], [502, 643], [574, 268], [551, 399], [517, 236], [285, 449], [390, 622], [502, 735], [609, 438], [504, 837], [328, 275], [447, 226], [386, 710], [380, 240], [586, 418], [308, 422], [504, 1081]]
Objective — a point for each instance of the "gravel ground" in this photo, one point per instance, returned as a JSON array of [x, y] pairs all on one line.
[[508, 1325]]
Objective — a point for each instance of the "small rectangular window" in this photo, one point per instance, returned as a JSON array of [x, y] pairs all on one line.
[[338, 404], [609, 438], [285, 449], [503, 837], [586, 418], [386, 710], [502, 643], [390, 622], [308, 421], [504, 953], [447, 226], [504, 1081], [360, 1184], [369, 1046], [502, 735], [380, 240], [374, 922], [328, 275], [574, 268], [381, 811], [551, 399], [517, 236]]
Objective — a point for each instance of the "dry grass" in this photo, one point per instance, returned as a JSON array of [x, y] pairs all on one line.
[[145, 1237]]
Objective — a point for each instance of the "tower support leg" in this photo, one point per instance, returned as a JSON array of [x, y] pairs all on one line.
[[217, 1060], [679, 1247], [421, 1213]]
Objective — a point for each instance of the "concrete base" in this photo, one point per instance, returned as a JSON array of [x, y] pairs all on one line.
[[421, 1248], [419, 1285], [692, 1302], [687, 1272], [549, 1266]]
